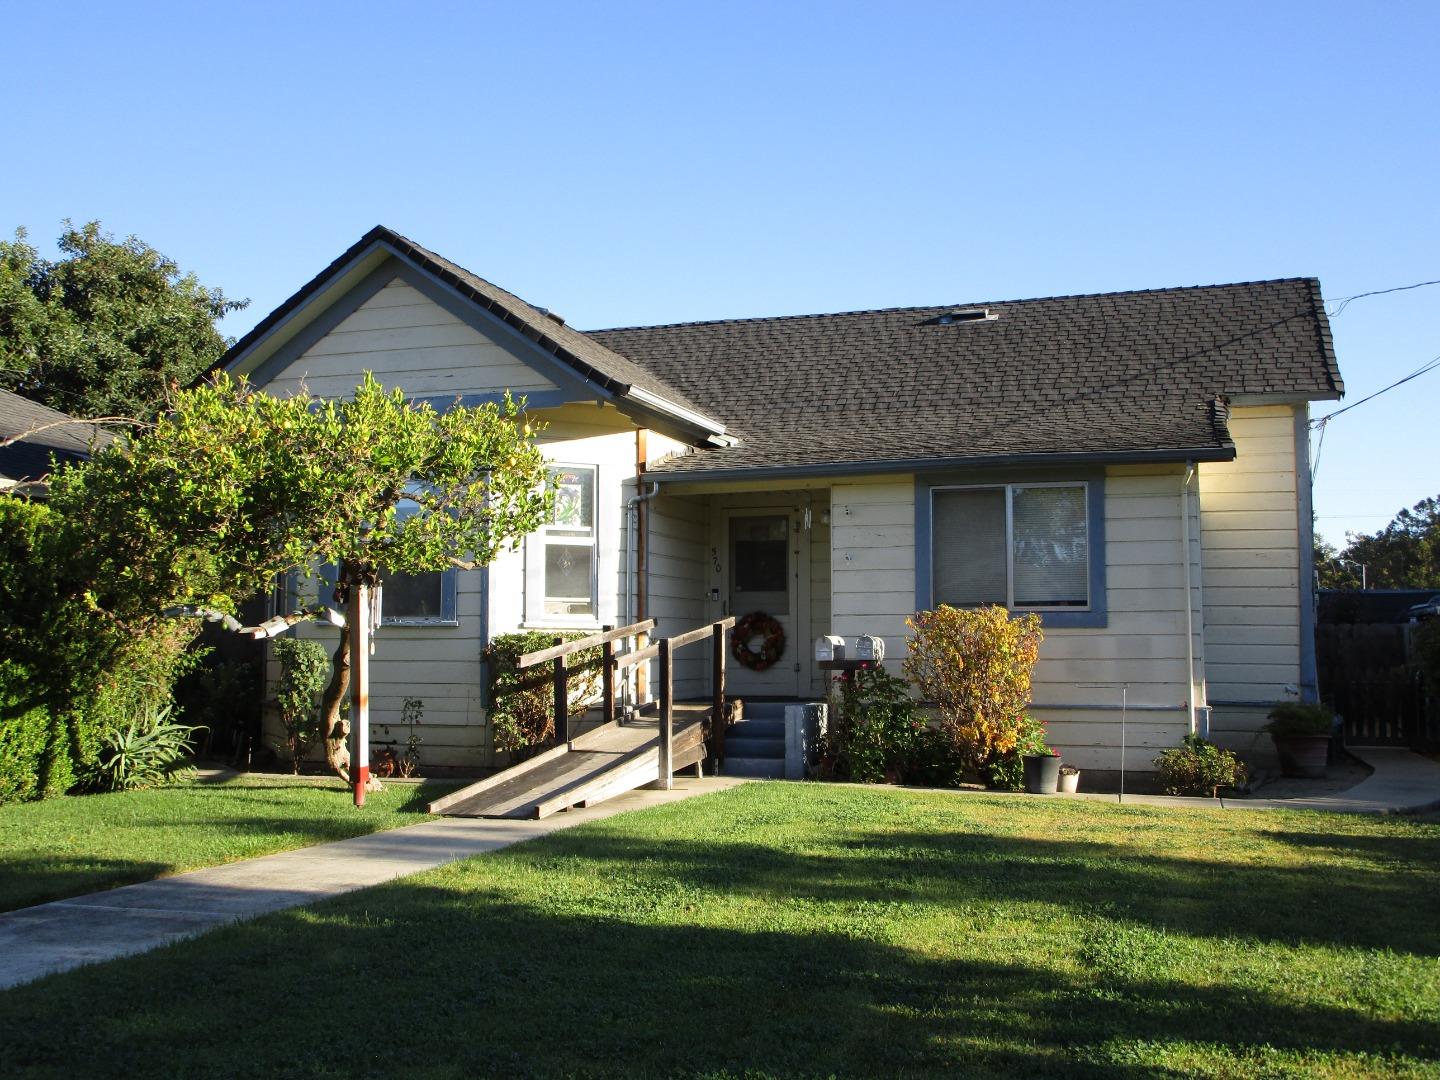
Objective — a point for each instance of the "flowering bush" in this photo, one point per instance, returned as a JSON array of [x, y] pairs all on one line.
[[975, 665], [1006, 772], [874, 733]]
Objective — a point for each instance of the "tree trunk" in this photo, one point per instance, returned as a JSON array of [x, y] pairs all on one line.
[[334, 727]]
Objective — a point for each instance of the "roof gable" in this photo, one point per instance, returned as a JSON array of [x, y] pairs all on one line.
[[578, 368]]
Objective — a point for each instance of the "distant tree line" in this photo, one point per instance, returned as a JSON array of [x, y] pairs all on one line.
[[1405, 554]]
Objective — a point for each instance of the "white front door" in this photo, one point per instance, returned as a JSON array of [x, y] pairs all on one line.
[[763, 562]]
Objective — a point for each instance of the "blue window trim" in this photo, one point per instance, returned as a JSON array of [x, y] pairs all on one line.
[[287, 596], [1098, 613]]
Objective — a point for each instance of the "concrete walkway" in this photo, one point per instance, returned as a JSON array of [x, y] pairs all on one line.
[[54, 937], [1402, 782]]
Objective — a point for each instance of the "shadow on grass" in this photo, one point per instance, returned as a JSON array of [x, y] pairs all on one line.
[[1391, 908], [463, 983], [1384, 852], [28, 881]]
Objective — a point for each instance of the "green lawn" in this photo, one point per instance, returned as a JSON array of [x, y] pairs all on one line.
[[799, 930], [65, 847]]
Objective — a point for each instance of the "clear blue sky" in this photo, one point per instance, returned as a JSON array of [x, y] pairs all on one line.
[[628, 164]]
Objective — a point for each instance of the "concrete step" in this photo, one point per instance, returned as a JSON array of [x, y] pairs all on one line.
[[766, 768], [754, 748], [766, 710], [756, 729]]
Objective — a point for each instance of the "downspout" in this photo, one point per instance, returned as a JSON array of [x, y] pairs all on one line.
[[1189, 597], [632, 555]]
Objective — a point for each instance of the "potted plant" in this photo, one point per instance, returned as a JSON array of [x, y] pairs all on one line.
[[1042, 764], [1069, 779], [1302, 735]]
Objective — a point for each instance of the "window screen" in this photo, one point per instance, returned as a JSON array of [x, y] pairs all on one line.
[[969, 547], [1023, 546], [1051, 547], [409, 597]]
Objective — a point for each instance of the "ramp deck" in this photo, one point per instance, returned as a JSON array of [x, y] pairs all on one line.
[[600, 764]]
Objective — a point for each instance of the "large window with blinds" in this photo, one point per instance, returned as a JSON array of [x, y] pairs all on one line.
[[1025, 546]]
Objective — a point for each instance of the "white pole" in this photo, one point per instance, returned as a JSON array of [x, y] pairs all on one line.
[[360, 689]]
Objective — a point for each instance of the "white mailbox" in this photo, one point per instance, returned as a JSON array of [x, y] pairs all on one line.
[[871, 648], [829, 647]]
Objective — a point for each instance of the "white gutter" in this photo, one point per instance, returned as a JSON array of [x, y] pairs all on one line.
[[1189, 598], [655, 401]]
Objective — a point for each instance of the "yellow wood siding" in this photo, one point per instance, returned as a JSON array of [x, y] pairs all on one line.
[[1251, 534], [677, 539], [409, 342]]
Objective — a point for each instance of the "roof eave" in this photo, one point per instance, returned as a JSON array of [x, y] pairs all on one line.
[[1178, 455]]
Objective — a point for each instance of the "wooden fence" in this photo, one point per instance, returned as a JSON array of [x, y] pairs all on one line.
[[1369, 676]]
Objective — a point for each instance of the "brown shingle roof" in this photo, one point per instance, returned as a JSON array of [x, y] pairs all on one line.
[[1133, 372]]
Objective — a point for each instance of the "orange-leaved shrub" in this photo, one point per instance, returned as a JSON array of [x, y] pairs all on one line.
[[975, 665]]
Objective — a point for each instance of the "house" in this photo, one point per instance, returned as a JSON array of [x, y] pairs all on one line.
[[1133, 466], [41, 435]]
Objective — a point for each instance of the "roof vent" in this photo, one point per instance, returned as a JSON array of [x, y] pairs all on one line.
[[965, 315], [551, 315]]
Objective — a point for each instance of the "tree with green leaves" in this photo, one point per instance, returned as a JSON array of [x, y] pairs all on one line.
[[233, 487], [1405, 554], [108, 329]]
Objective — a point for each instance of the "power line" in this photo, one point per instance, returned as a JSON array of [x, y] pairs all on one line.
[[1344, 302], [1423, 369], [1320, 423]]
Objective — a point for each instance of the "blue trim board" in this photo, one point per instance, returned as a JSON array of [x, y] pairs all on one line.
[[510, 339], [1098, 613], [1305, 519]]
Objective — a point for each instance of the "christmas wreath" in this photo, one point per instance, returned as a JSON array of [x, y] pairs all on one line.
[[757, 624]]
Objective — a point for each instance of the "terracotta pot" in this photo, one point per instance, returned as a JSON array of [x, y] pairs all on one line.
[[1302, 755], [1042, 773]]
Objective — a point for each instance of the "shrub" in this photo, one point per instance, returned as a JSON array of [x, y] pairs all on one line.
[[149, 751], [873, 734], [83, 671], [522, 703], [25, 738], [304, 671], [1199, 767], [1289, 718], [1006, 772], [975, 665]]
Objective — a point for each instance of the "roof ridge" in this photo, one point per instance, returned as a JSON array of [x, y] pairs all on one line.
[[1312, 281]]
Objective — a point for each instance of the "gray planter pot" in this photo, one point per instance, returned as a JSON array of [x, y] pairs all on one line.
[[1302, 756], [1042, 773]]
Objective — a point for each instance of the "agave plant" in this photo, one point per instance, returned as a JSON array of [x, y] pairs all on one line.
[[149, 751]]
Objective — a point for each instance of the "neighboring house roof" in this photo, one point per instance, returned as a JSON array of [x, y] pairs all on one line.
[[582, 354], [29, 459], [1134, 374]]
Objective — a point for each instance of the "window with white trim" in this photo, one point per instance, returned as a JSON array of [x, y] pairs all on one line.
[[561, 558], [1026, 546]]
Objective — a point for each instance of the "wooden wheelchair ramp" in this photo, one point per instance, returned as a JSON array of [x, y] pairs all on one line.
[[598, 765]]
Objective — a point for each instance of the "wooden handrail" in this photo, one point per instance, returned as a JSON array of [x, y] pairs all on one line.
[[543, 655], [630, 659], [700, 633]]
